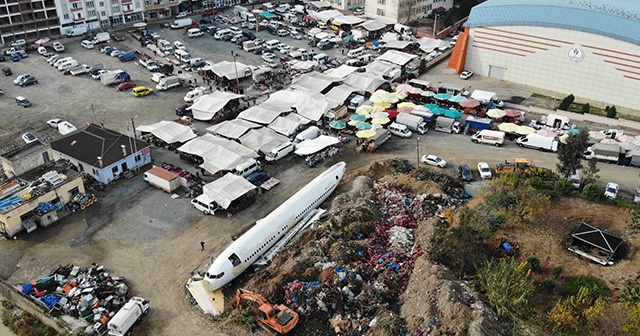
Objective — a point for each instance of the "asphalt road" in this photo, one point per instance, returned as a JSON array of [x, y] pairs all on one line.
[[139, 231]]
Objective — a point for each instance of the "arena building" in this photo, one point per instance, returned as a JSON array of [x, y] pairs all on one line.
[[588, 48]]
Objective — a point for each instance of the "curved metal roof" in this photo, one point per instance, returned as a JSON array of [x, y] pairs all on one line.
[[618, 19]]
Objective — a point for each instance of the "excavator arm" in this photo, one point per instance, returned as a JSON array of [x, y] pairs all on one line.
[[278, 318]]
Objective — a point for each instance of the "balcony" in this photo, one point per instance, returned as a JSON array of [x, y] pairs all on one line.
[[81, 19], [76, 9], [127, 1]]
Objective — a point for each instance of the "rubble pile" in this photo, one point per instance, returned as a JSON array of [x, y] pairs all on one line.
[[91, 294], [370, 269]]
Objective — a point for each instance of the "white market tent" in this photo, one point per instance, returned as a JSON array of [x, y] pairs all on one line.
[[428, 44], [168, 131], [397, 57], [339, 94], [379, 67], [288, 124], [226, 189], [227, 69], [341, 72], [219, 154], [399, 45], [364, 82], [325, 15], [313, 82], [308, 105], [266, 112], [232, 129], [262, 139], [311, 146], [348, 19], [373, 25], [303, 65], [388, 37], [205, 107]]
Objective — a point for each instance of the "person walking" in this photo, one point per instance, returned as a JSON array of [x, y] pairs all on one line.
[[202, 246]]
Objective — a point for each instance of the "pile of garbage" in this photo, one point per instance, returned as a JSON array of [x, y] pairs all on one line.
[[91, 294], [369, 269]]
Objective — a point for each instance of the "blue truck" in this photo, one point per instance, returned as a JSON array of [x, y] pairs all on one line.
[[127, 56], [478, 124]]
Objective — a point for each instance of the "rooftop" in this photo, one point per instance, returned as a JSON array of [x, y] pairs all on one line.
[[24, 150], [618, 19]]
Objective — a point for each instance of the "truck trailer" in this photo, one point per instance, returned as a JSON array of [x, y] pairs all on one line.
[[114, 77], [168, 83], [413, 122], [478, 124], [123, 321], [449, 125], [538, 141], [162, 179], [603, 152], [369, 145]]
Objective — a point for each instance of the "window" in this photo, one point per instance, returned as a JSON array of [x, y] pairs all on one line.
[[73, 192], [115, 9], [114, 169], [66, 16], [235, 261], [95, 172], [91, 13], [89, 4], [138, 158], [115, 2], [380, 11], [101, 4], [382, 2], [75, 5]]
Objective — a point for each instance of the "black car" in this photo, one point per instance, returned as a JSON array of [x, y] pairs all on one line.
[[181, 109], [249, 35], [258, 51], [465, 172], [241, 39], [28, 81]]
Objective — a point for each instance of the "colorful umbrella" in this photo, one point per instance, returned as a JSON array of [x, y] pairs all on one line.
[[406, 104], [363, 125], [563, 138], [452, 114], [437, 111], [391, 113], [547, 133], [408, 89], [406, 109], [495, 113], [443, 96], [470, 103], [383, 105], [576, 131], [358, 117], [512, 113], [380, 96], [597, 135], [420, 108], [508, 127], [621, 138], [380, 121], [364, 110], [524, 130], [428, 94], [352, 122], [365, 134], [338, 124], [431, 106], [380, 115], [395, 97], [457, 99]]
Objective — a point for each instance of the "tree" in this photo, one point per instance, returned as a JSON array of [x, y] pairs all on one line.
[[423, 65], [591, 172], [578, 313], [566, 102], [591, 192], [570, 154], [611, 112], [586, 108]]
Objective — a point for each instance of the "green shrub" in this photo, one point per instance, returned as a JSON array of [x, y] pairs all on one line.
[[506, 286], [557, 271], [568, 100], [564, 186], [611, 112], [548, 284], [591, 192], [534, 263], [596, 287], [586, 108]]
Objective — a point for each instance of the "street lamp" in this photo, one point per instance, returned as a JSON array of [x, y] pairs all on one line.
[[235, 66], [554, 101], [418, 151]]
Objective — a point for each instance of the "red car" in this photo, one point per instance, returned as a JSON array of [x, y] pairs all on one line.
[[125, 86]]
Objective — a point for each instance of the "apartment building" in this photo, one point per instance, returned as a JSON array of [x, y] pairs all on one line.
[[78, 16], [160, 9], [404, 11], [345, 4], [25, 19]]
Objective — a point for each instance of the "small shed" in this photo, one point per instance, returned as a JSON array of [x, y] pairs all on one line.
[[595, 244]]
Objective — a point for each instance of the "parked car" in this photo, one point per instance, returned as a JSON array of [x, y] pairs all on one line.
[[181, 109], [14, 57], [22, 101], [611, 191], [433, 160], [54, 122], [19, 43], [182, 15], [142, 91], [57, 46], [20, 78], [282, 32], [296, 35], [465, 172], [22, 53], [179, 45], [125, 86], [95, 73], [29, 138], [31, 80], [484, 170], [7, 71], [466, 74], [268, 56]]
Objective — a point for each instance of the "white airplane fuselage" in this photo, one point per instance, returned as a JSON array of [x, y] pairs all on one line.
[[243, 252]]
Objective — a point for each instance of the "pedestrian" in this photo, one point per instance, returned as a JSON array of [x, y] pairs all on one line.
[[195, 81], [202, 246]]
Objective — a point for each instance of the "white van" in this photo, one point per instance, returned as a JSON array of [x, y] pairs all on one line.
[[195, 93], [182, 55], [194, 32], [355, 102], [308, 134], [489, 137], [320, 58], [60, 61], [220, 34], [399, 130], [68, 64], [355, 53], [205, 204], [272, 44], [235, 30], [279, 152], [245, 169], [87, 44]]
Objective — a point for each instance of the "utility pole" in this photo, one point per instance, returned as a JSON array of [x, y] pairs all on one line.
[[235, 66], [134, 129], [418, 151], [93, 111]]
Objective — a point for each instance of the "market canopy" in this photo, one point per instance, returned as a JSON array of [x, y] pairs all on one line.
[[397, 57], [205, 108], [341, 72], [313, 82], [262, 139], [308, 105], [266, 112], [398, 45], [348, 19], [168, 131], [428, 44], [227, 189], [232, 129], [311, 146], [219, 154], [364, 82], [288, 124], [339, 94], [228, 69], [325, 15], [373, 25]]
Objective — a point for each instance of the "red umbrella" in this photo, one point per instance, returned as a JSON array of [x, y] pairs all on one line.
[[392, 113], [470, 103], [512, 113]]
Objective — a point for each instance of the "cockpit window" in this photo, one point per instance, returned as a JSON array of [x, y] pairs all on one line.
[[235, 261], [216, 276]]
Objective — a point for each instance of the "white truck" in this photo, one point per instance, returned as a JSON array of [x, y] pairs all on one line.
[[369, 145], [489, 137], [539, 141], [149, 64], [124, 320], [249, 46], [196, 93], [299, 53], [168, 83], [164, 45], [557, 121], [101, 37], [487, 97], [80, 69], [162, 179], [114, 77], [413, 122], [603, 152], [448, 125], [181, 23]]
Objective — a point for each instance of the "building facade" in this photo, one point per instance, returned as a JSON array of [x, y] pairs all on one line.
[[345, 4], [27, 19], [101, 153], [404, 11], [79, 16], [588, 49], [161, 9], [25, 158]]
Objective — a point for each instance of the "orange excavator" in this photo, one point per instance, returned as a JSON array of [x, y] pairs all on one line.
[[275, 318]]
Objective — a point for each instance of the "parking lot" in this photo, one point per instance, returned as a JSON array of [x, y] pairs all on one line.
[[140, 232]]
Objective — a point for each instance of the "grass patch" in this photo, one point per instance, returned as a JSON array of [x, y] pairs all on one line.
[[538, 95], [23, 323]]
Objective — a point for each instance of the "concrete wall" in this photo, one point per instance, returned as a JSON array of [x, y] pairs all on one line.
[[32, 306], [586, 65]]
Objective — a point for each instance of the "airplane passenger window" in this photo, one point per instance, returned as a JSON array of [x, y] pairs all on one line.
[[235, 261]]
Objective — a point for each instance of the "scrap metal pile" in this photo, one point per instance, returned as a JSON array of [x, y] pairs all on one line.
[[371, 266], [91, 294]]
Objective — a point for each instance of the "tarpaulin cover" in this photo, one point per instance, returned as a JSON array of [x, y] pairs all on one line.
[[219, 154], [397, 57], [341, 72], [348, 19], [340, 93], [428, 44], [378, 68], [227, 69], [168, 131], [262, 139], [308, 105], [50, 300], [373, 25], [266, 112], [364, 82], [227, 188], [232, 129], [311, 146], [325, 15], [27, 288], [399, 45], [205, 107], [287, 125], [313, 82]]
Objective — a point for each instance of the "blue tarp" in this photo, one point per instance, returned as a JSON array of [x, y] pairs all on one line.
[[27, 288], [50, 300]]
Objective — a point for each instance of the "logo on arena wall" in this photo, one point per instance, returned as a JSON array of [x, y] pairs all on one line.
[[575, 54]]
